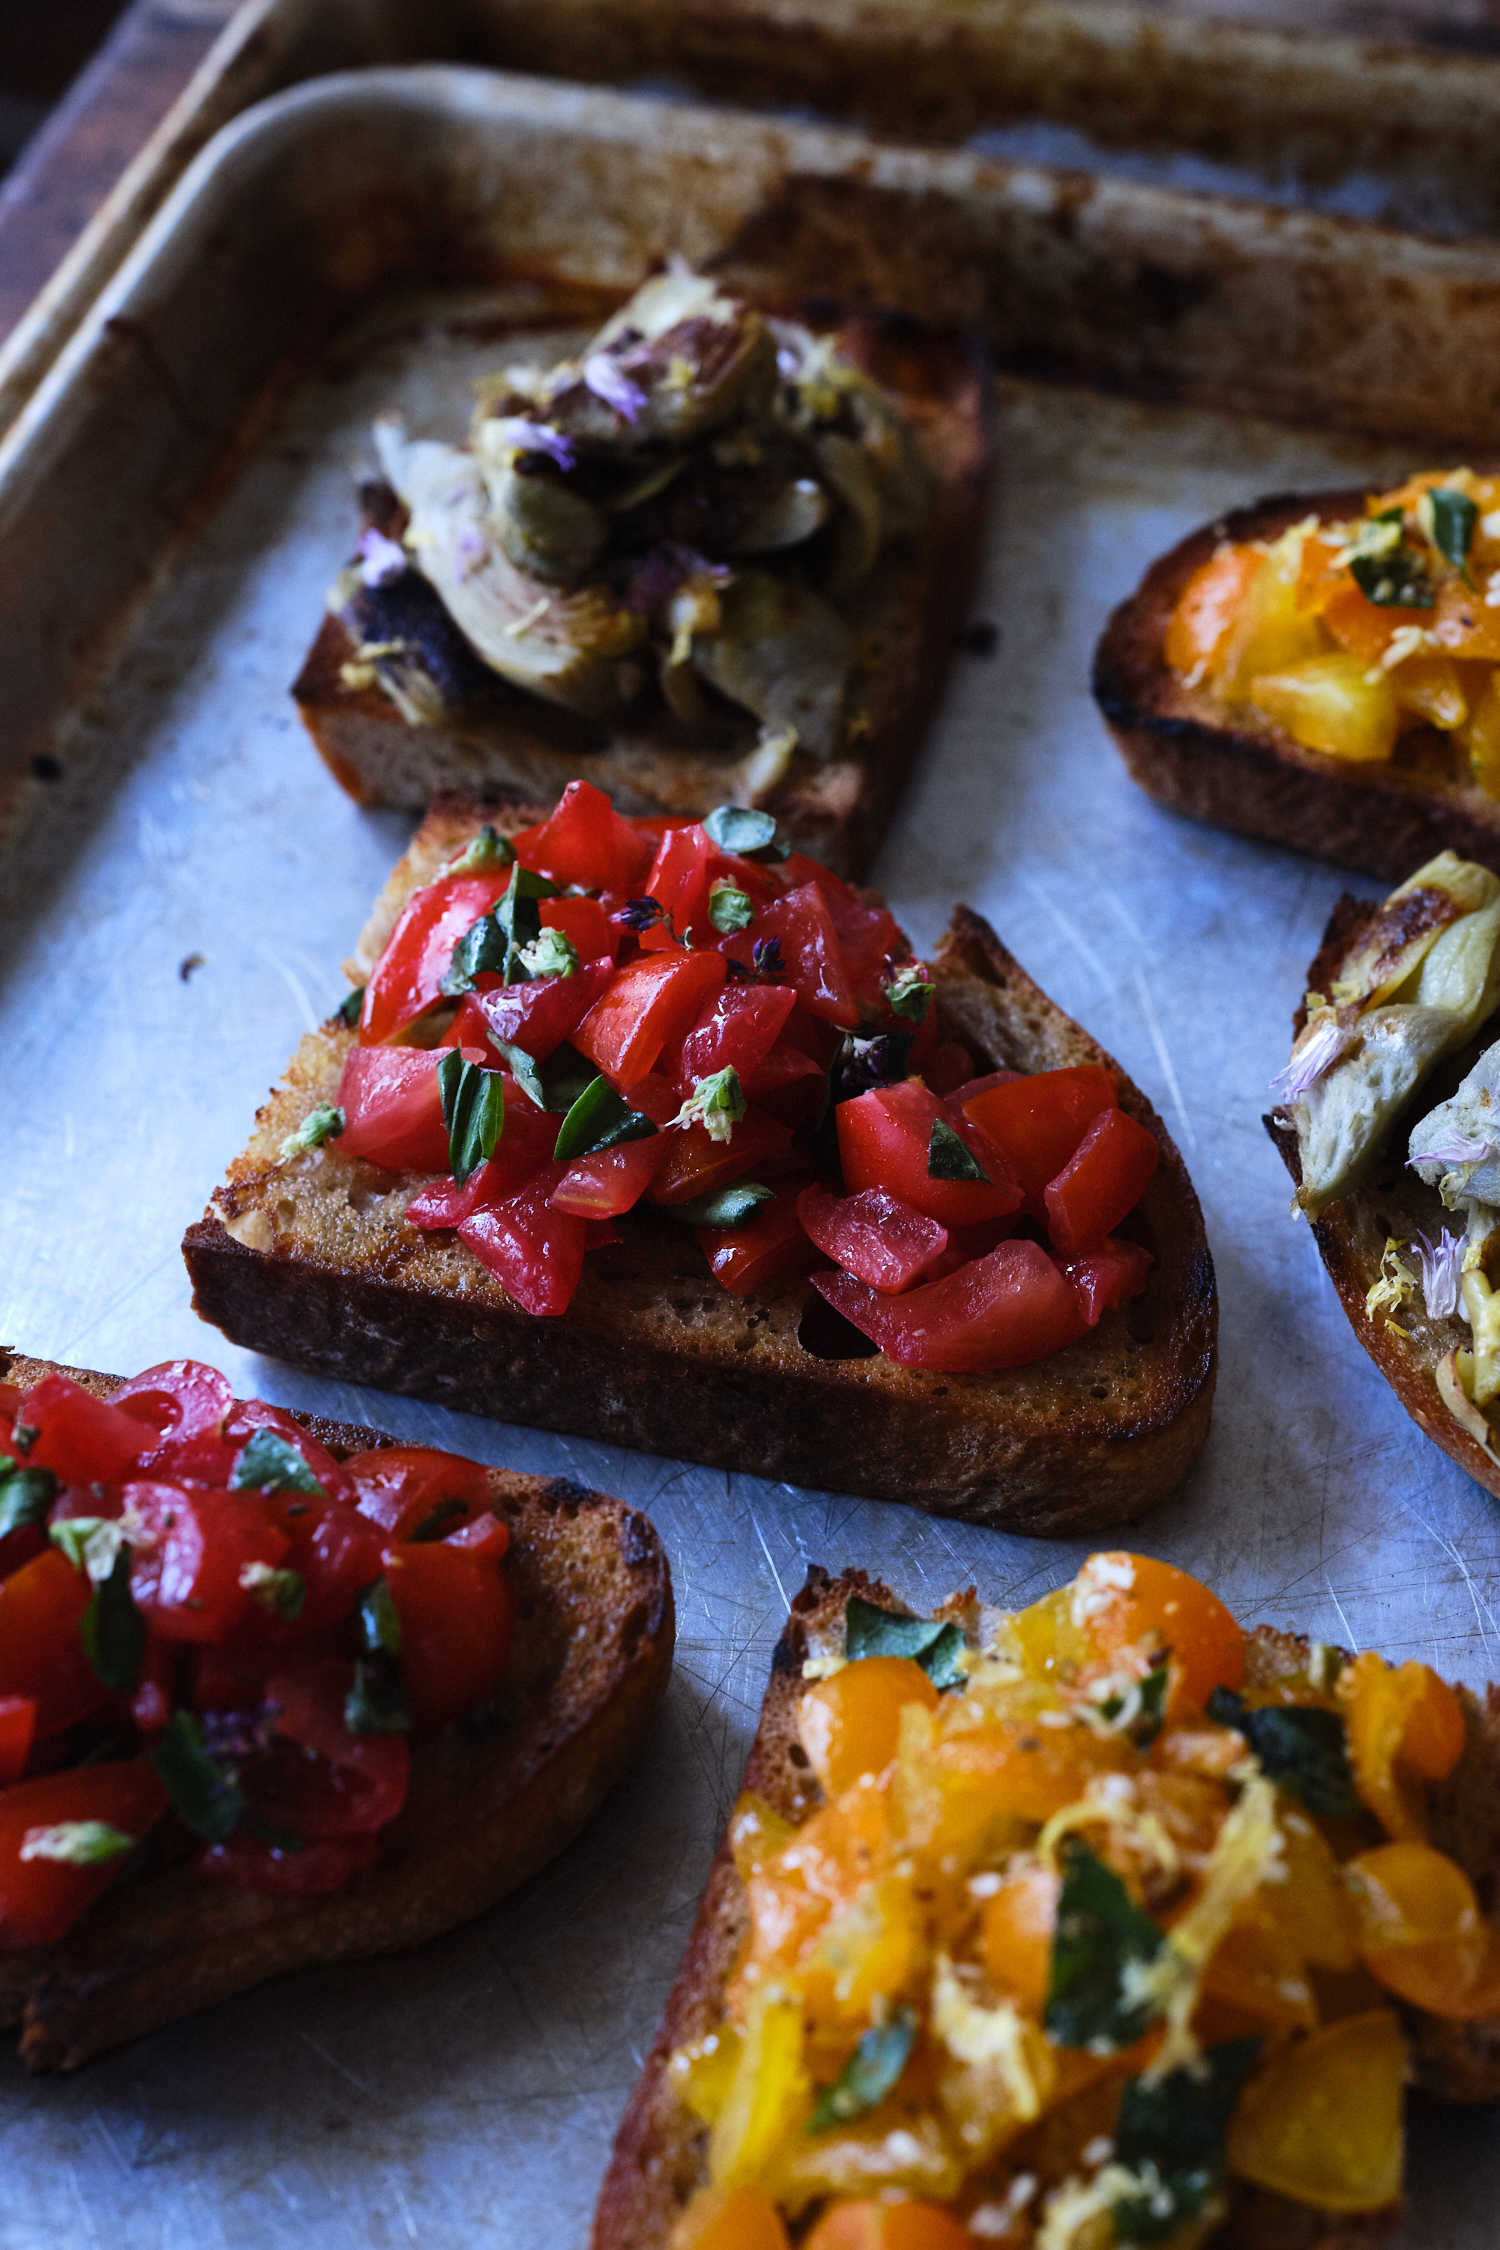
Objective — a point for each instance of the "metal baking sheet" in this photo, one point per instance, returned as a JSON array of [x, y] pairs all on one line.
[[173, 909]]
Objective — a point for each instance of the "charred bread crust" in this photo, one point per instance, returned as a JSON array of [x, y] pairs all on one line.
[[660, 2149], [318, 1267], [491, 1800], [504, 742], [1352, 1233], [1246, 773]]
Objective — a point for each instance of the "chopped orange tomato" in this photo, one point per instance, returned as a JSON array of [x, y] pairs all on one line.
[[908, 2225], [1322, 2121], [1365, 628], [1333, 703], [1463, 624], [1207, 608], [1421, 1931], [1130, 1603], [1481, 736], [849, 1723], [1405, 1727], [743, 2219], [1016, 1926]]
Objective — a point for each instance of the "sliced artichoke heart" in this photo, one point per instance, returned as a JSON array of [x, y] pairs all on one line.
[[543, 527], [1409, 924], [793, 514], [1343, 1118], [848, 468], [1469, 1121], [565, 647], [782, 652]]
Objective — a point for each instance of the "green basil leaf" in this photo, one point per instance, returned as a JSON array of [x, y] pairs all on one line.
[[205, 1795], [379, 1622], [25, 1496], [933, 1643], [523, 1069], [949, 1158], [114, 1631], [599, 1119], [473, 1110], [735, 828], [565, 1075], [1454, 518], [349, 1007], [910, 994], [869, 2074], [727, 1207], [280, 1839], [269, 1463], [483, 949], [77, 1843], [729, 909], [1302, 1748], [1385, 569], [1178, 2128], [324, 1123], [1146, 1725], [1100, 1933], [376, 1704]]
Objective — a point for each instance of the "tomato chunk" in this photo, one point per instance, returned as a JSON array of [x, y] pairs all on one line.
[[404, 1487], [1101, 1183], [610, 1181], [248, 1862], [1003, 1310], [1108, 1276], [737, 1030], [17, 1726], [873, 1235], [585, 841], [885, 1138], [803, 928], [187, 1405], [679, 883], [1129, 1600], [695, 1164], [352, 1784], [41, 1897], [41, 1650], [408, 976], [526, 1142], [869, 936], [1040, 1120], [187, 1573], [650, 1003], [456, 1610], [537, 1017], [392, 1108], [533, 1250], [770, 1242], [584, 922], [80, 1438]]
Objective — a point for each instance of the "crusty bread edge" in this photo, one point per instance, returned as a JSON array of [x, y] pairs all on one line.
[[500, 1805]]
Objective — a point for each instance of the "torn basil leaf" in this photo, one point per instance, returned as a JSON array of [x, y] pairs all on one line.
[[727, 1207], [269, 1463], [934, 1643], [910, 994], [205, 1795], [495, 942], [349, 1007], [729, 909], [1174, 2133], [749, 835], [379, 1623], [376, 1704], [1454, 519], [325, 1123], [1385, 569], [1145, 1726], [473, 1101], [1101, 1933], [1301, 1747], [599, 1119], [114, 1631], [25, 1495], [869, 2074], [949, 1158]]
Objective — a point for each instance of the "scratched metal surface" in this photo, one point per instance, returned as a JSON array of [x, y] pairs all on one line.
[[467, 2093]]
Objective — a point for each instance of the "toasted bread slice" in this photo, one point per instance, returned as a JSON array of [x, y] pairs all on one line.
[[1247, 774], [660, 2150], [314, 1263], [499, 741], [491, 1799], [1352, 1233]]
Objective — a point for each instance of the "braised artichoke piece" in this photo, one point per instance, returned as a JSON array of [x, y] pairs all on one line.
[[782, 652], [1343, 1119], [819, 393], [565, 646], [1455, 1148], [542, 523]]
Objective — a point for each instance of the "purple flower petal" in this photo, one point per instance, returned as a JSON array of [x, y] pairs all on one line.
[[379, 558], [605, 380], [1458, 1148], [535, 437], [1441, 1262], [1311, 1060]]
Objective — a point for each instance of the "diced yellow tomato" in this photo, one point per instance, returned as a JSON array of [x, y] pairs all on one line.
[[1047, 1642], [1272, 629], [1313, 1906], [1429, 687], [768, 2096], [1322, 2121], [1481, 736], [1463, 623], [850, 1722], [1319, 576], [1207, 609], [702, 2072], [1128, 1603], [1421, 1931], [910, 2225], [756, 1830], [1014, 1772], [843, 1844], [1365, 628], [1015, 1933], [1255, 1968], [784, 1915], [1331, 703], [743, 2219], [1405, 1727], [873, 1949]]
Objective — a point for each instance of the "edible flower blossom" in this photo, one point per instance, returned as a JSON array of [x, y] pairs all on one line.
[[523, 436], [1440, 1263], [1458, 1148], [1310, 1061], [380, 559], [717, 1103], [606, 381]]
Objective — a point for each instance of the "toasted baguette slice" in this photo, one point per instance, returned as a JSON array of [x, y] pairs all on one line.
[[1352, 1233], [501, 742], [660, 2150], [314, 1263], [1246, 773], [491, 1799]]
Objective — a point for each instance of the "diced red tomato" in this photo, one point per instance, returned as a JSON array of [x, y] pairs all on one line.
[[80, 1438], [526, 1144], [1005, 1310], [186, 1403], [679, 883], [771, 1242], [392, 1108], [41, 1898], [17, 1726], [1104, 1180], [737, 1029], [336, 1553], [868, 935], [537, 1017], [650, 1004], [195, 1547], [973, 1086], [455, 1608], [586, 842], [947, 1067], [611, 1181], [353, 1783], [41, 1651], [252, 1414], [874, 1235], [1040, 1120], [402, 1487], [884, 1141], [534, 1251], [248, 1862], [695, 1165], [486, 1535], [788, 1085], [585, 923], [419, 953], [1109, 1275], [803, 927]]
